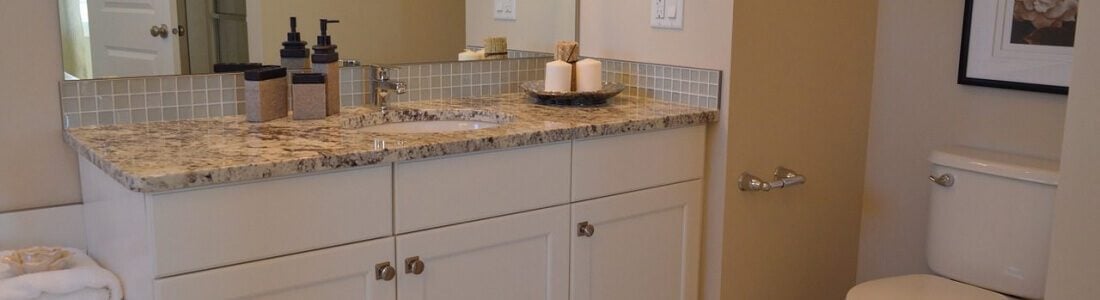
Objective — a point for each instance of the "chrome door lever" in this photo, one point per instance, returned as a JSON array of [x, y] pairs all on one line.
[[784, 177]]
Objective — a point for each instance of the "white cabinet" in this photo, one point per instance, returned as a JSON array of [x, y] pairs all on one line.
[[522, 256], [345, 272], [643, 245], [494, 225]]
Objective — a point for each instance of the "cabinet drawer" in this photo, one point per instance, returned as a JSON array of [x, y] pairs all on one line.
[[208, 228], [613, 165], [345, 272], [445, 191]]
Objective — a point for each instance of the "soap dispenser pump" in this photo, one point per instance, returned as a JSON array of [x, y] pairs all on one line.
[[326, 61], [324, 51], [295, 55]]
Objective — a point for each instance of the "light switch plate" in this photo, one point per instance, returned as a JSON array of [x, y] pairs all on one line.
[[667, 14], [504, 10]]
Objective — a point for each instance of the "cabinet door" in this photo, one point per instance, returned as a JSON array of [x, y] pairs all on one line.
[[641, 245], [522, 256], [345, 272]]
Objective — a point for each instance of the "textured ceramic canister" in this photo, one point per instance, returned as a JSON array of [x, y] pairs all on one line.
[[310, 100], [265, 93]]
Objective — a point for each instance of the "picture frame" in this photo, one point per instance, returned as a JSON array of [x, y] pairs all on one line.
[[1015, 44]]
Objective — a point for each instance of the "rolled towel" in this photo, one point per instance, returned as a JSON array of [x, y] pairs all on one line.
[[83, 273], [496, 47], [567, 51]]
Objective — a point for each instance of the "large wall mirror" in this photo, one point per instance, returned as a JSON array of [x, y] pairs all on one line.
[[123, 38]]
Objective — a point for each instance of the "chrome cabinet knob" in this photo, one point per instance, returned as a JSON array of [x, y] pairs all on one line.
[[584, 229], [413, 265], [384, 271], [945, 180]]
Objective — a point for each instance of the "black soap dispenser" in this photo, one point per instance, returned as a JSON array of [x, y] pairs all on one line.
[[325, 51], [295, 54], [327, 61]]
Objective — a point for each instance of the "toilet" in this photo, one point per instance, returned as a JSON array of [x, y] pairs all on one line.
[[988, 232]]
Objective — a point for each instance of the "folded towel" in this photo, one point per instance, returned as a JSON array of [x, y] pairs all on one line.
[[83, 273]]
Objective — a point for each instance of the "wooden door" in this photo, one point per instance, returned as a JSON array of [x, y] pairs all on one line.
[[643, 245], [121, 41], [523, 256]]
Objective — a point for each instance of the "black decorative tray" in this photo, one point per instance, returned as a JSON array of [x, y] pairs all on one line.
[[536, 90]]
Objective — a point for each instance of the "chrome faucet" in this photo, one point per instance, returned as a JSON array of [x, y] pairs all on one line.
[[381, 85]]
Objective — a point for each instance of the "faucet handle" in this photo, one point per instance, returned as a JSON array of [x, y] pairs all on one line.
[[382, 72]]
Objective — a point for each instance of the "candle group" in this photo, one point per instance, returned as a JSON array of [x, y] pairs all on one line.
[[560, 76], [567, 74]]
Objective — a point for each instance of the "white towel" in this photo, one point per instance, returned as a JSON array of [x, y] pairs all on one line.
[[82, 273]]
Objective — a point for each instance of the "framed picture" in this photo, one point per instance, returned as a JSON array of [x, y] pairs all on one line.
[[1019, 44]]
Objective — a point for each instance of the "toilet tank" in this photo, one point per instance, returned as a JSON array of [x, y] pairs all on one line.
[[992, 227]]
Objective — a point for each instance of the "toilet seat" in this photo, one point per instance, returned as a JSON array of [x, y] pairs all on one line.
[[920, 287]]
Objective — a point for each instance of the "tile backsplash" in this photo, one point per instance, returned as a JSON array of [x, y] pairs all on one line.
[[151, 99], [170, 98]]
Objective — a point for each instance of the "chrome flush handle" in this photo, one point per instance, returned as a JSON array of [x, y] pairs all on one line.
[[945, 180]]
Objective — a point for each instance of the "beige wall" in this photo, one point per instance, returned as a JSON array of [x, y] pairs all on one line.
[[377, 31], [538, 26], [917, 107], [800, 97], [36, 168], [1075, 263], [620, 29]]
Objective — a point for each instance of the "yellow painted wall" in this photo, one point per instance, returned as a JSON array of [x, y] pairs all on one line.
[[800, 96], [376, 31]]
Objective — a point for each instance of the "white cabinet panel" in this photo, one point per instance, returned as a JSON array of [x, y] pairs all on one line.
[[451, 190], [523, 256], [209, 228], [645, 245], [345, 272], [613, 165]]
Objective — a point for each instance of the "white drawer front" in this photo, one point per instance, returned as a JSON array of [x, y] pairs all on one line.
[[613, 165], [209, 228], [345, 272], [446, 191]]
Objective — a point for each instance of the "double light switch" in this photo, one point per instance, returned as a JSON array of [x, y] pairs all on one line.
[[667, 14], [504, 10]]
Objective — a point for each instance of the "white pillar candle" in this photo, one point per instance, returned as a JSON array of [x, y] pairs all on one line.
[[559, 76], [589, 75], [468, 56]]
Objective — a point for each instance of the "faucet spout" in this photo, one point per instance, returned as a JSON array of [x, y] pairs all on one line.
[[382, 85]]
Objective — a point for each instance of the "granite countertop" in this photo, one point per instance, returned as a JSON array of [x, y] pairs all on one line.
[[166, 156]]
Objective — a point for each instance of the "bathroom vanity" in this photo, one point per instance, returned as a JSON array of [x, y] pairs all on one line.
[[548, 203]]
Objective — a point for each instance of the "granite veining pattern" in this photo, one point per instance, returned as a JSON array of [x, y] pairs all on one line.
[[166, 156]]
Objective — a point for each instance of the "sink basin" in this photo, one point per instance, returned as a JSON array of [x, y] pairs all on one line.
[[429, 126]]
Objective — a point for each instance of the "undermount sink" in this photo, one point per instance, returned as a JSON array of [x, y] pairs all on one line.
[[414, 121], [429, 126]]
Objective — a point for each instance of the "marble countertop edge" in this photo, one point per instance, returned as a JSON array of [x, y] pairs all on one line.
[[181, 175]]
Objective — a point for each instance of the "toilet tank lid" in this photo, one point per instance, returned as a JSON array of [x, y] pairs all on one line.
[[1025, 168]]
